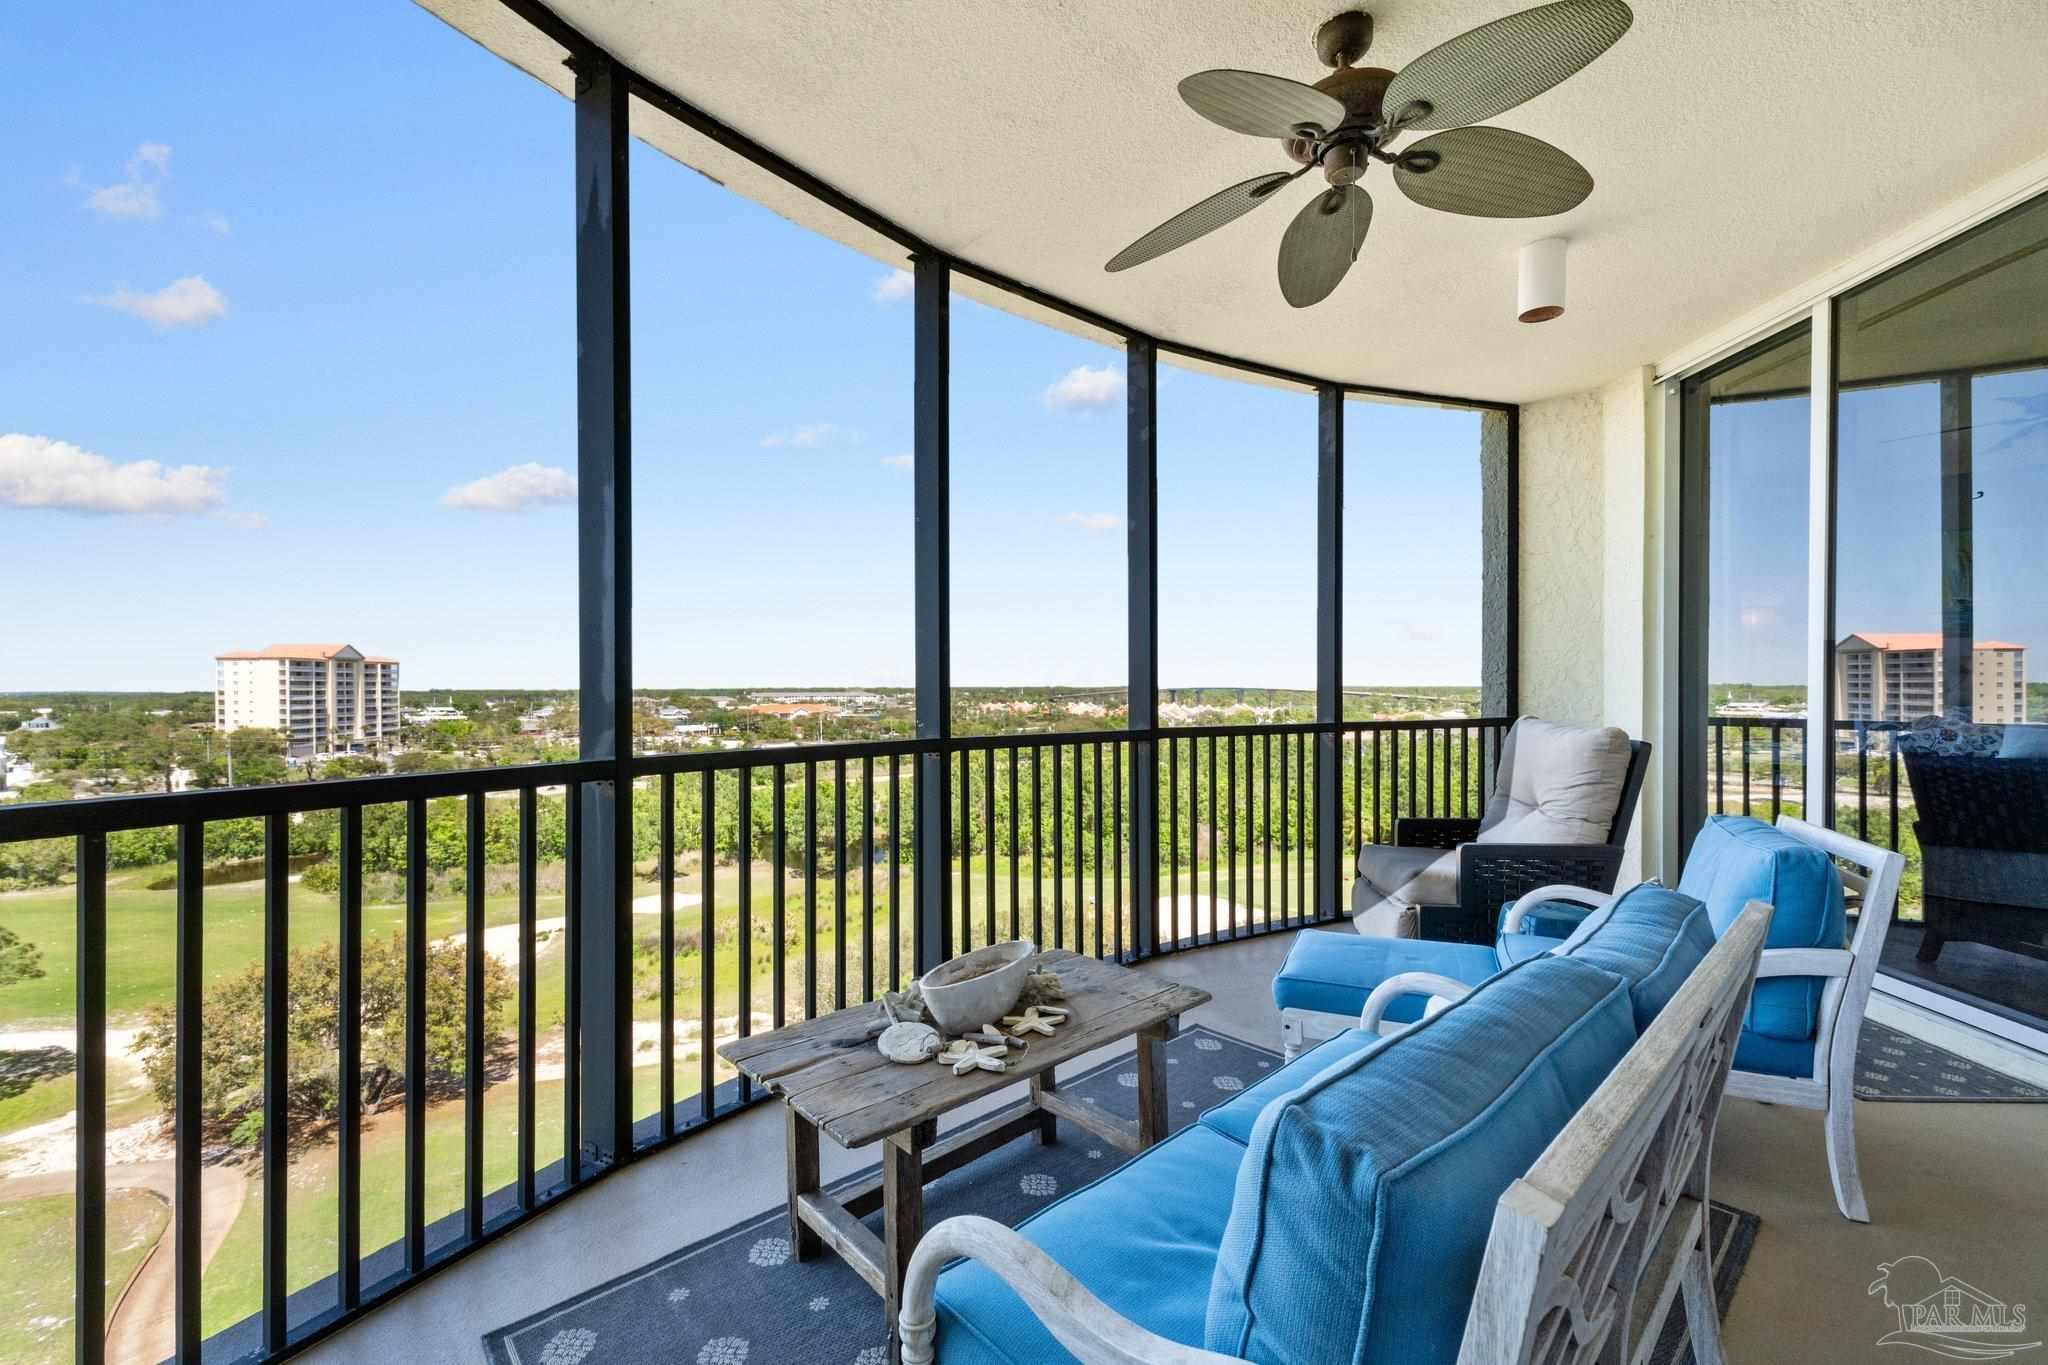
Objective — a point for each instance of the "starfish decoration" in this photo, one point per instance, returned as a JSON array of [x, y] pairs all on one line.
[[966, 1057], [1037, 1019]]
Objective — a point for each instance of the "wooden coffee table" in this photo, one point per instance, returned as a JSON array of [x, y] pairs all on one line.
[[830, 1076]]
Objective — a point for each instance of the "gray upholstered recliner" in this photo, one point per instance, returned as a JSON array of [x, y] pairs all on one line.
[[1563, 798]]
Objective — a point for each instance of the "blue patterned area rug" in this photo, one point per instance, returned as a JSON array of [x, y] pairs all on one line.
[[740, 1297], [1891, 1065]]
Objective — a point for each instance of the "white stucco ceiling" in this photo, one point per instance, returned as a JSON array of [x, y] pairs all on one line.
[[1738, 147]]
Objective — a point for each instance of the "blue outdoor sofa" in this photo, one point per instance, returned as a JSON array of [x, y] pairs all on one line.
[[1375, 1164]]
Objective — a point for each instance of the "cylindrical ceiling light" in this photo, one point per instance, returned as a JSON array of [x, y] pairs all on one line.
[[1539, 292]]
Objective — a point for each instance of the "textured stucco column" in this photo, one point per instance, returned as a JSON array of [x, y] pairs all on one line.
[[1497, 513]]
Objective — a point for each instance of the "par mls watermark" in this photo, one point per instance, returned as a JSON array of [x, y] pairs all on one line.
[[1945, 1316]]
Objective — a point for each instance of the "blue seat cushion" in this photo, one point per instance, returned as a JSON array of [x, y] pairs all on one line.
[[1366, 1195], [1651, 938], [1334, 972], [1235, 1116], [1509, 949], [1737, 859], [1774, 1056], [1554, 920], [1143, 1239]]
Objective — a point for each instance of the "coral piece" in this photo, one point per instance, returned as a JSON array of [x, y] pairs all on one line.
[[1041, 987], [906, 1006], [909, 1043]]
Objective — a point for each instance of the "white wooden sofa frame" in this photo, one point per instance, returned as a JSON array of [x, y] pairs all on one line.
[[1588, 1250], [1874, 874]]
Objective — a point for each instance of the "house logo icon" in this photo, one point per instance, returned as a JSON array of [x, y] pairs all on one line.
[[1941, 1314]]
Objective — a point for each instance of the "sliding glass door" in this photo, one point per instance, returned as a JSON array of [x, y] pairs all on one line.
[[1940, 606]]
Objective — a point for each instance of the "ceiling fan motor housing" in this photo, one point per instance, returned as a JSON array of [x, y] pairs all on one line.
[[1360, 90]]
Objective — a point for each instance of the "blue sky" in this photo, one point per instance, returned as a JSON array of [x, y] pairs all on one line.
[[1888, 547], [290, 358]]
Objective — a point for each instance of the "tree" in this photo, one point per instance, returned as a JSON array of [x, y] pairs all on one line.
[[231, 1020], [20, 960]]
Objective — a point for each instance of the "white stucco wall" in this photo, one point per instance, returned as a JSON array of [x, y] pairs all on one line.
[[1587, 565]]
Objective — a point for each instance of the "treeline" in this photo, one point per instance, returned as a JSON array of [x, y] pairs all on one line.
[[1062, 796]]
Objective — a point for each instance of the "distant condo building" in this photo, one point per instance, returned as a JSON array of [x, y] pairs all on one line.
[[322, 697], [1897, 676]]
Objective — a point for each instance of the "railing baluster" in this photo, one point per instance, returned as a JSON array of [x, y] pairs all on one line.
[[1215, 921], [665, 883], [1059, 846], [1010, 762], [572, 989], [1116, 843], [1037, 850], [1720, 768], [529, 987], [1745, 770], [867, 881], [1266, 827], [1357, 790], [1862, 781], [186, 1207], [1286, 828], [707, 947], [966, 847], [415, 1042], [89, 1226], [1777, 782], [1173, 834], [810, 888], [473, 1023], [1304, 795], [778, 951], [988, 836], [1230, 814], [895, 880], [277, 834], [839, 884], [745, 890], [1892, 773], [1095, 803]]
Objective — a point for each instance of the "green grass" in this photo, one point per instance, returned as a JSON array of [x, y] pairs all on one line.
[[35, 1245]]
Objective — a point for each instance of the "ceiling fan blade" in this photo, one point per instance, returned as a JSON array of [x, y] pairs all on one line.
[[1499, 65], [1260, 105], [1322, 242], [1491, 173], [1224, 206]]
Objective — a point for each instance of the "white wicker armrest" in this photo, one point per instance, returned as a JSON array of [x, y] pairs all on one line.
[[1405, 983], [1805, 962], [1577, 897], [1090, 1329]]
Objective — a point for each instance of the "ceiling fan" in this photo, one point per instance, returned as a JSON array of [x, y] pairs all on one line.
[[1351, 118]]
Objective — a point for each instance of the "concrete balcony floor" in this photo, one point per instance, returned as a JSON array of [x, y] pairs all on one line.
[[1965, 1185]]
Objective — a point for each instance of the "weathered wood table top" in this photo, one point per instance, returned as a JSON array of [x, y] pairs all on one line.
[[829, 1070]]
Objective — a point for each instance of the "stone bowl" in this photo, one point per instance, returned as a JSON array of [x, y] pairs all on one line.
[[979, 987]]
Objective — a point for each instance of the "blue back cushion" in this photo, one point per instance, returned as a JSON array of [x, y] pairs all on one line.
[[1737, 859], [1366, 1195], [1651, 938]]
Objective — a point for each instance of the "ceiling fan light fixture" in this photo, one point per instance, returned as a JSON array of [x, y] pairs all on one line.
[[1539, 292]]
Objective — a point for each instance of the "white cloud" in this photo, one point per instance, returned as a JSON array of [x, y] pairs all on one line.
[[894, 287], [138, 195], [810, 436], [903, 462], [515, 489], [36, 471], [218, 222], [1096, 522], [186, 302], [1085, 389]]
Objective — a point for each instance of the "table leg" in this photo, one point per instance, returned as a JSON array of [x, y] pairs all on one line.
[[902, 1216], [1048, 1123], [802, 1146], [1152, 1112]]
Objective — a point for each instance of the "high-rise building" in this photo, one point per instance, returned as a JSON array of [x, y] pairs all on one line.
[[323, 697], [1897, 676]]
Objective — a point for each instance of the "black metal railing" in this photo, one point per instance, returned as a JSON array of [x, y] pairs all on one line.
[[1867, 775], [1042, 843]]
